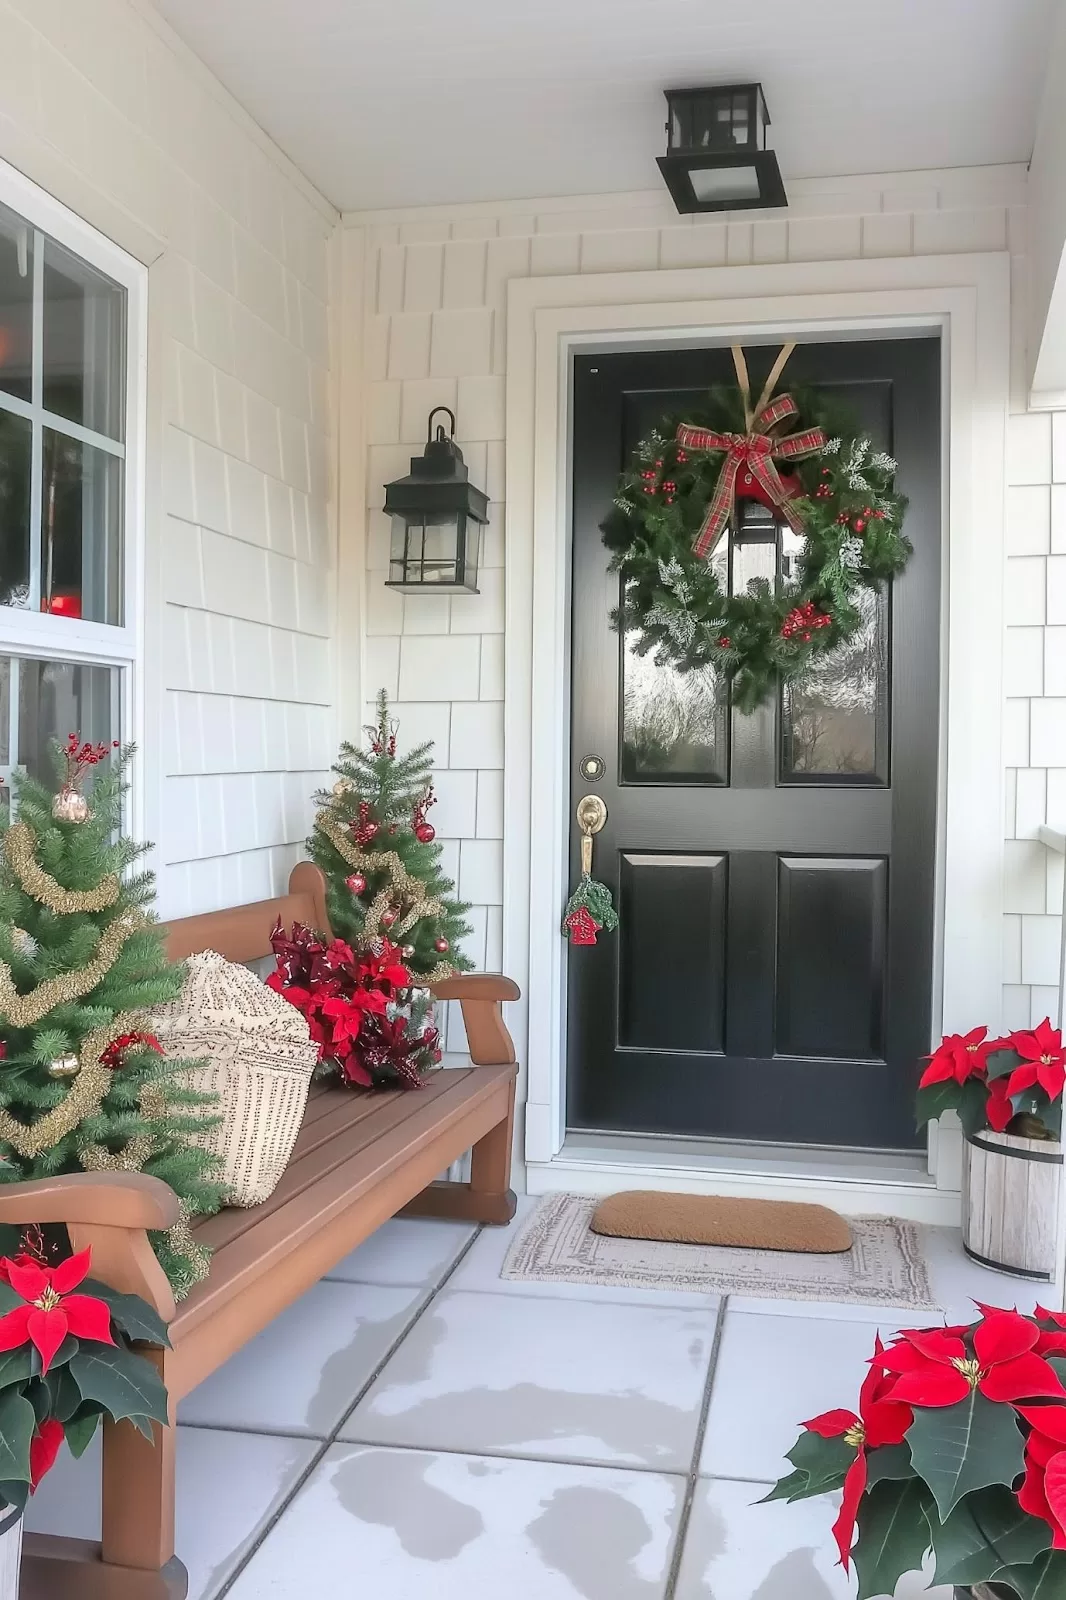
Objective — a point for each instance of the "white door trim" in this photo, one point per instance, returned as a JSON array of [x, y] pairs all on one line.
[[968, 298]]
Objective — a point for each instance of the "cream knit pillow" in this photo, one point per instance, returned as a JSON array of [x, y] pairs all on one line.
[[259, 1061]]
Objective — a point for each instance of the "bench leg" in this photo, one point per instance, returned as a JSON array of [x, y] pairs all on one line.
[[488, 1197], [138, 1492]]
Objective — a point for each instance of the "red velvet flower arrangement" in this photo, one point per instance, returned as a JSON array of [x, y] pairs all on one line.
[[364, 1008], [958, 1446], [68, 1361], [993, 1082]]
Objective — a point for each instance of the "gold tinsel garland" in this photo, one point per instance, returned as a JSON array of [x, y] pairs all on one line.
[[19, 846], [23, 1010], [82, 1099], [401, 891], [133, 1157]]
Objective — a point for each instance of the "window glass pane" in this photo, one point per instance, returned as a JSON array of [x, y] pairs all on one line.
[[84, 356], [81, 530], [16, 305], [44, 700], [15, 448], [675, 725], [834, 719]]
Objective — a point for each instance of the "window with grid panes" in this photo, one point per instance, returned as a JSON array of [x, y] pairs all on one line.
[[67, 591]]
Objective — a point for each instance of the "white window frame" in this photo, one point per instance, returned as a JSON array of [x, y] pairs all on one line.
[[36, 635]]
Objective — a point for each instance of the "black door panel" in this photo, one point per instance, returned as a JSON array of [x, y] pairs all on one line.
[[771, 977]]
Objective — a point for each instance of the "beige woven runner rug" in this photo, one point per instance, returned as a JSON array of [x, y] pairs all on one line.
[[884, 1267]]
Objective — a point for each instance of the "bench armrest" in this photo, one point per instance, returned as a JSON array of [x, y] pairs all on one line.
[[480, 995], [109, 1214]]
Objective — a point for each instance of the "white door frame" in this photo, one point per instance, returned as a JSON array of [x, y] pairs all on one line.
[[967, 297]]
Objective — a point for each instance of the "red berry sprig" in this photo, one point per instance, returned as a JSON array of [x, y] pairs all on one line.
[[425, 832], [81, 756], [364, 830], [803, 621]]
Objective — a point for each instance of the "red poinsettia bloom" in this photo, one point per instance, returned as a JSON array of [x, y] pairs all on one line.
[[1043, 1061], [881, 1420], [936, 1369], [51, 1310], [960, 1056], [44, 1447], [1043, 1493], [999, 1108]]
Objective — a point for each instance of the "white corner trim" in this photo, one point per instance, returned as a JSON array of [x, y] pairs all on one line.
[[968, 298]]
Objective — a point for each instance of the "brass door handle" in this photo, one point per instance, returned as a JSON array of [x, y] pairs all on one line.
[[591, 815]]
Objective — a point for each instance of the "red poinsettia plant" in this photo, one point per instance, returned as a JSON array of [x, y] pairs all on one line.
[[66, 1360], [958, 1446], [365, 1009], [1012, 1085]]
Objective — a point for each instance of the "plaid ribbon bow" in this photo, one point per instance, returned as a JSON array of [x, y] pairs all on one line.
[[755, 452]]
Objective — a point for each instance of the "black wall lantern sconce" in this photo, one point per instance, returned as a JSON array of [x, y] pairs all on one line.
[[437, 517], [716, 157]]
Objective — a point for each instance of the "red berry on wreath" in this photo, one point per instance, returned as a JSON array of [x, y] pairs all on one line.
[[859, 524], [441, 945], [724, 642], [356, 883], [425, 833]]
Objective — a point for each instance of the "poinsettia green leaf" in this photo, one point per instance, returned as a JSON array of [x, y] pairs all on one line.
[[134, 1316], [889, 1461], [81, 1430], [64, 1394], [1042, 1579], [972, 1107], [16, 1366], [126, 1385], [825, 1461], [986, 1531], [9, 1299], [958, 1449], [932, 1101], [17, 1422], [795, 1486], [13, 1494], [1058, 1366], [893, 1535], [1000, 1062]]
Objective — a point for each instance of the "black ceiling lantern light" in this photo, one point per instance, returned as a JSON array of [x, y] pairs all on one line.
[[716, 157], [437, 517]]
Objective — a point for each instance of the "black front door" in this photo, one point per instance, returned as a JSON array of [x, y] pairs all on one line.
[[774, 873]]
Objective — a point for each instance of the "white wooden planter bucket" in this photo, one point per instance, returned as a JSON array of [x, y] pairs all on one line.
[[1010, 1203], [10, 1555]]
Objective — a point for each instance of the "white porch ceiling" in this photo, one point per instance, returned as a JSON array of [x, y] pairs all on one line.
[[411, 102]]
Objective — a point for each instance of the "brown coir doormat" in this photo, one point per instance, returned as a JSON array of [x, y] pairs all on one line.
[[737, 1224]]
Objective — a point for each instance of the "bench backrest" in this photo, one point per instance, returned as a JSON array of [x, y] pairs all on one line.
[[242, 933]]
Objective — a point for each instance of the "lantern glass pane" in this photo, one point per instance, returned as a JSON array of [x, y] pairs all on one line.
[[426, 550], [724, 183]]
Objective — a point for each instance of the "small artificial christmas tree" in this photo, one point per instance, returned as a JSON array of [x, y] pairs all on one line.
[[376, 848], [83, 1085]]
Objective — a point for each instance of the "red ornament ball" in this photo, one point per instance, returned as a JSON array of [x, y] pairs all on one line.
[[388, 918], [859, 524], [356, 883], [441, 946], [425, 833]]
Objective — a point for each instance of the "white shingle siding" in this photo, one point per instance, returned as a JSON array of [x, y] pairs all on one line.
[[435, 334], [105, 109]]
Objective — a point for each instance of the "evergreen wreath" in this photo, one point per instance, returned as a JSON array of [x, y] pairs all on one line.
[[677, 496]]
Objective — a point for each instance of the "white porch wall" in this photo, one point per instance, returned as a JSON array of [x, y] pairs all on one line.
[[433, 284], [102, 106]]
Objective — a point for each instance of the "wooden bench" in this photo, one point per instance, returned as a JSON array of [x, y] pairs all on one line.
[[360, 1159]]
